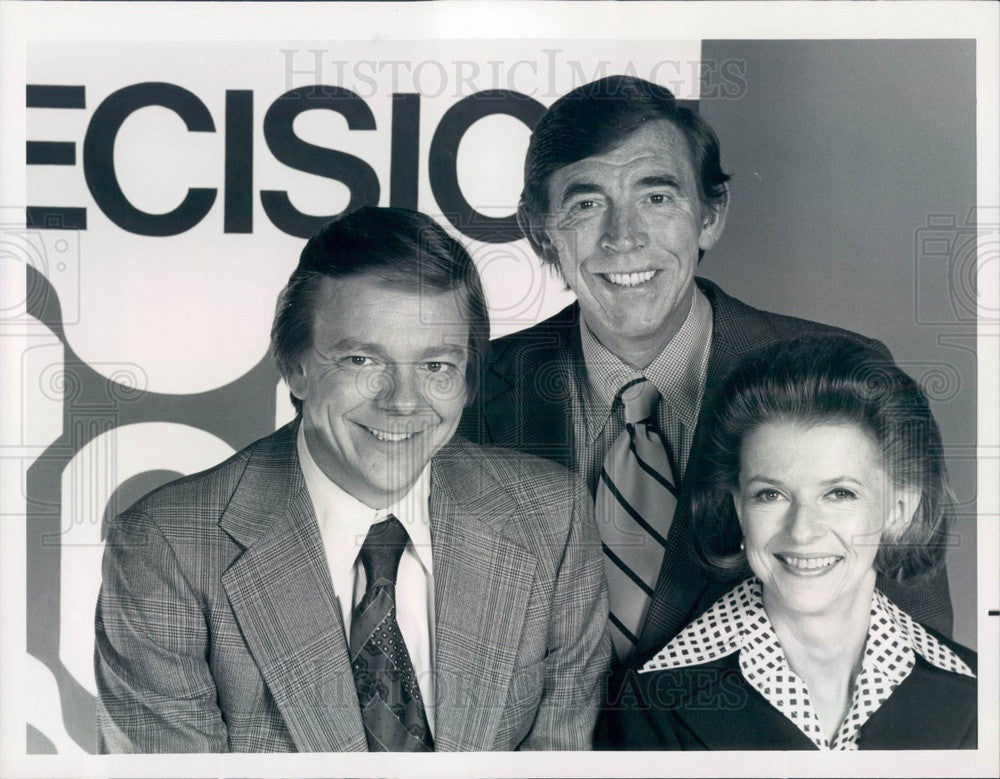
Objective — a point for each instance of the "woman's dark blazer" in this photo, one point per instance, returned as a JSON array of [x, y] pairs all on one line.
[[711, 706]]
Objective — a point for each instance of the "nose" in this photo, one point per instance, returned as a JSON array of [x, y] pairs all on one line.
[[623, 231], [803, 524], [400, 390]]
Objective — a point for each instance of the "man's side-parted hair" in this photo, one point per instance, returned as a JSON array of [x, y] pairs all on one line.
[[826, 379], [595, 118], [401, 248]]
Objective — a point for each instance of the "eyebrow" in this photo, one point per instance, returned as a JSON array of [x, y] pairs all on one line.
[[660, 181], [354, 345], [764, 479], [445, 350], [844, 479]]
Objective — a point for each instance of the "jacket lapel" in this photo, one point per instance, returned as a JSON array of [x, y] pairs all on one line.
[[728, 714], [526, 403], [482, 582], [281, 594]]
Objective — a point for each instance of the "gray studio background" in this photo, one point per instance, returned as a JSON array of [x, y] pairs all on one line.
[[854, 175]]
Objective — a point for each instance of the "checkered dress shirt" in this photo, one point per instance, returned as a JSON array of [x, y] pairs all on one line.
[[738, 623], [679, 374]]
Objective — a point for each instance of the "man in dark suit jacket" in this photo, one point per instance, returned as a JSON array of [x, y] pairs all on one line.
[[237, 612], [623, 194]]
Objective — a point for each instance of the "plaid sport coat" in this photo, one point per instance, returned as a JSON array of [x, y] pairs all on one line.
[[524, 404], [217, 627]]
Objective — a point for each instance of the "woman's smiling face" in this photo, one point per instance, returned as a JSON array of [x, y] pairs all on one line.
[[813, 503]]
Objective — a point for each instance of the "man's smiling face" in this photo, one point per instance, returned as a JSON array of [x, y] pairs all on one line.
[[383, 384], [627, 227]]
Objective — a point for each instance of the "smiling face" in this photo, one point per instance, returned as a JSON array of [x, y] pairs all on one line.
[[813, 504], [626, 227], [383, 386]]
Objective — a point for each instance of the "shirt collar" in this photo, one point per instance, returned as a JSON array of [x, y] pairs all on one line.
[[344, 517], [678, 371], [889, 622], [737, 622]]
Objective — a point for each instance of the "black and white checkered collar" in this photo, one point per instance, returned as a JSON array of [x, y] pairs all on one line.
[[738, 623]]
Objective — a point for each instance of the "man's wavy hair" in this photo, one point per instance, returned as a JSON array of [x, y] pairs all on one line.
[[595, 118], [401, 248], [822, 379]]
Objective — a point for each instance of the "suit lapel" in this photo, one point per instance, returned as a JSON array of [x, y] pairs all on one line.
[[482, 582], [930, 709], [729, 714], [528, 406], [281, 594]]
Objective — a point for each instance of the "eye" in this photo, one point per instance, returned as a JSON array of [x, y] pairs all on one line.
[[358, 361], [767, 495], [658, 198], [436, 366], [583, 205], [842, 493]]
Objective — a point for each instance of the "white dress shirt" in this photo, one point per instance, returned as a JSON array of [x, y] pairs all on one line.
[[343, 525], [679, 372]]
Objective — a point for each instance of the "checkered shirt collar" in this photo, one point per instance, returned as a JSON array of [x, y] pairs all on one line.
[[738, 623], [678, 371], [893, 622]]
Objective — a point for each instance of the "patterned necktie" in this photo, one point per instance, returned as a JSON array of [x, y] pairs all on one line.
[[392, 708], [635, 503]]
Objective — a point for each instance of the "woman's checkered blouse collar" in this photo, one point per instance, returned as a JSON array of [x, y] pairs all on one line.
[[737, 622]]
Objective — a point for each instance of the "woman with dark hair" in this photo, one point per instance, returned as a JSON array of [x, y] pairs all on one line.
[[826, 466]]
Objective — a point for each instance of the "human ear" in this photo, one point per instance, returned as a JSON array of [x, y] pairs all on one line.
[[533, 228], [737, 505], [297, 382], [906, 501], [713, 221]]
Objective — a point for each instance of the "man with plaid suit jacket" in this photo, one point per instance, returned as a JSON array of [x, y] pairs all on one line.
[[623, 194], [222, 623]]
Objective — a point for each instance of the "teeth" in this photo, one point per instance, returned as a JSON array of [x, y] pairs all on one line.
[[810, 563], [630, 279], [381, 435]]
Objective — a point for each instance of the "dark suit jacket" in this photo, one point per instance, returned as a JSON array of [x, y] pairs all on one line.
[[218, 630], [524, 404], [711, 706]]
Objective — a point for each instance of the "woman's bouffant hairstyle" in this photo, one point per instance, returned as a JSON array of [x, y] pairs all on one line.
[[822, 379], [401, 248]]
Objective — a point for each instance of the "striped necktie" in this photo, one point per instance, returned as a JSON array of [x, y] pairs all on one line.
[[635, 502], [392, 708]]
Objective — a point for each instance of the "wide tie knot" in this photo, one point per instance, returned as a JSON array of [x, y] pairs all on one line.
[[639, 397], [381, 551]]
